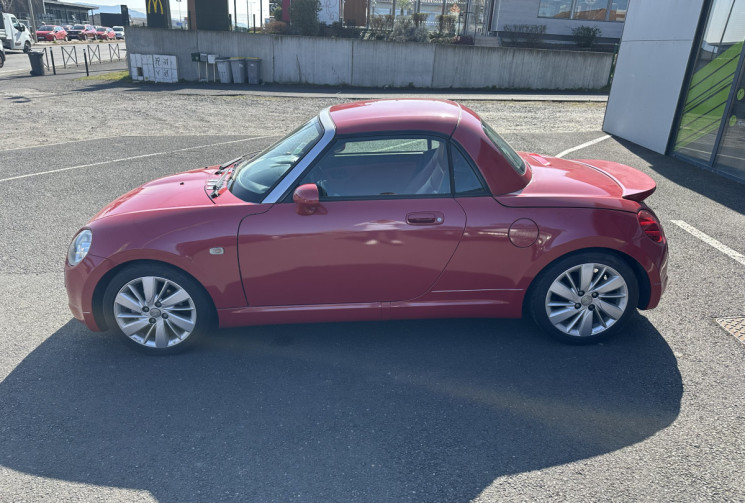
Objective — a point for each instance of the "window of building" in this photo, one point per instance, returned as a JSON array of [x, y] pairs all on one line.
[[589, 10], [711, 123]]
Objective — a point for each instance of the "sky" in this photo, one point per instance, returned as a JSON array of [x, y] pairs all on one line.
[[253, 7]]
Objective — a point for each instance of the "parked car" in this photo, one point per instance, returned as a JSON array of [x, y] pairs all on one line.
[[48, 32], [105, 33], [51, 33], [390, 209], [119, 31], [82, 32]]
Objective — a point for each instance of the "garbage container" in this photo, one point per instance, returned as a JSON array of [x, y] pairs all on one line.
[[223, 70], [253, 70], [238, 66], [36, 58]]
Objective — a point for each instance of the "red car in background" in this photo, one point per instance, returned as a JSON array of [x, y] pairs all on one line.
[[82, 32], [375, 210], [104, 33], [50, 33]]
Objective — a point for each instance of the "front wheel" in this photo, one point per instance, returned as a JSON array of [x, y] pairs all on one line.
[[27, 47], [584, 298], [157, 309]]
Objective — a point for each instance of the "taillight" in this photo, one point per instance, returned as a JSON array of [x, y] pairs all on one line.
[[651, 226]]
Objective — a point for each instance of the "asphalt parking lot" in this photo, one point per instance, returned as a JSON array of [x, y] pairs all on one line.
[[420, 411]]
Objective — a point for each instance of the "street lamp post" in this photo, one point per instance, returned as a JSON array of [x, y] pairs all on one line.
[[31, 12]]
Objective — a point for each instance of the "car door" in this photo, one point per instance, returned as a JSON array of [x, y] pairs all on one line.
[[385, 229]]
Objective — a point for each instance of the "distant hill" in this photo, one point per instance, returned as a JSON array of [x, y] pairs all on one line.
[[115, 9]]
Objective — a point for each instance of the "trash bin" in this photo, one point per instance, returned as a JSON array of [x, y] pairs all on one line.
[[238, 66], [223, 70], [253, 70], [36, 58]]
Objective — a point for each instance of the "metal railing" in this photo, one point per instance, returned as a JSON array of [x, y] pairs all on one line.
[[91, 55]]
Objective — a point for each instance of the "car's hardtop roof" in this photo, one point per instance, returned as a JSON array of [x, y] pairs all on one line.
[[409, 114]]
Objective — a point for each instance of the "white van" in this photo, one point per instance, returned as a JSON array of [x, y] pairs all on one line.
[[13, 34]]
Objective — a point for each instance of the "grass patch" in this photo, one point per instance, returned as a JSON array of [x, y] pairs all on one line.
[[122, 76]]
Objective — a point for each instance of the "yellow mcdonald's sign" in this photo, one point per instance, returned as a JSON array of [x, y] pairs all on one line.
[[152, 6]]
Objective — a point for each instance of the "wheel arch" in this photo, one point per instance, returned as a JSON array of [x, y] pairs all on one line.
[[642, 279], [98, 291]]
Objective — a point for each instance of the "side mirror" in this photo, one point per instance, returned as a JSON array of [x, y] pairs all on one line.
[[306, 198]]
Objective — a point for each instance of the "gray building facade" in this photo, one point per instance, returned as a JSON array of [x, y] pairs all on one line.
[[679, 84]]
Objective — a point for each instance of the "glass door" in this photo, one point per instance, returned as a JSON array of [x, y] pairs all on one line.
[[706, 120]]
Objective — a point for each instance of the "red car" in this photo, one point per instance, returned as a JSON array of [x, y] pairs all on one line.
[[374, 210], [82, 32], [49, 33], [104, 33]]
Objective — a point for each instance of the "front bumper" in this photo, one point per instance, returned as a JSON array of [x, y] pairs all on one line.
[[80, 283]]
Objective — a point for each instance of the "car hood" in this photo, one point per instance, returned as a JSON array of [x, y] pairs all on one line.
[[560, 182], [183, 190]]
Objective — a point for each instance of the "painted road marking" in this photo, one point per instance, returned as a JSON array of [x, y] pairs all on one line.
[[132, 158], [579, 147], [739, 257]]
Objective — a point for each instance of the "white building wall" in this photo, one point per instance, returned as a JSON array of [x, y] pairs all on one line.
[[526, 12], [652, 61]]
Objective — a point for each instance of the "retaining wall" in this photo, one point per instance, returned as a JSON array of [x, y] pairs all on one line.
[[362, 63]]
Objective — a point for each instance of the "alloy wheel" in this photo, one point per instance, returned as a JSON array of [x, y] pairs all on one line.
[[586, 300], [155, 312]]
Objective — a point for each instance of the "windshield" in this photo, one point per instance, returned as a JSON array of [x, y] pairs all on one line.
[[254, 178], [515, 161], [45, 28], [118, 28], [78, 27]]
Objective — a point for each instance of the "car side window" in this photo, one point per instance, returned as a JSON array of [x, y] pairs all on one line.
[[382, 167], [467, 182]]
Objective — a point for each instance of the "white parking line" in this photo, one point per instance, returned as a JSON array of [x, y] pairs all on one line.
[[739, 257], [579, 147], [131, 158]]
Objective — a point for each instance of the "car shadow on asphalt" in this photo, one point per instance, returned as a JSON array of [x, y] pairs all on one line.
[[712, 185], [430, 410]]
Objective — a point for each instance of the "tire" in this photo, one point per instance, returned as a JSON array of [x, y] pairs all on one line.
[[27, 47], [2, 59], [176, 315], [584, 298]]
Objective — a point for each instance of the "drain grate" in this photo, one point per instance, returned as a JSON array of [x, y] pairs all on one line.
[[735, 326]]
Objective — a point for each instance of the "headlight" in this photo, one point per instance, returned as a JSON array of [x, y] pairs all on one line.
[[79, 247]]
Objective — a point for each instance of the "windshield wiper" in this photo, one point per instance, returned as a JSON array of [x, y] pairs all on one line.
[[228, 164], [221, 183]]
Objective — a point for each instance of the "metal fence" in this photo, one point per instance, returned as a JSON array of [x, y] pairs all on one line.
[[82, 56]]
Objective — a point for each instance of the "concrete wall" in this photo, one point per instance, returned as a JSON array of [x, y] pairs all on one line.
[[526, 12], [652, 62], [361, 63]]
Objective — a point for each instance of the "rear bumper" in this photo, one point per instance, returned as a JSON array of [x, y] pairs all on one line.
[[657, 280]]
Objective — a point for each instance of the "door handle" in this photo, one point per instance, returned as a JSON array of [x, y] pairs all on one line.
[[425, 218]]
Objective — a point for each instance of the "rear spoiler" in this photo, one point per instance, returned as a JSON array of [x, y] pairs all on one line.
[[636, 185]]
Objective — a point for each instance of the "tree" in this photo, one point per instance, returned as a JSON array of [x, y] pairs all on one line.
[[304, 16], [404, 5]]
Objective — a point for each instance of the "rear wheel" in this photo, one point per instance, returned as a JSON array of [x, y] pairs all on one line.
[[157, 309], [584, 298]]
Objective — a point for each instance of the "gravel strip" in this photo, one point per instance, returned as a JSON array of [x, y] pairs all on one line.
[[62, 110]]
